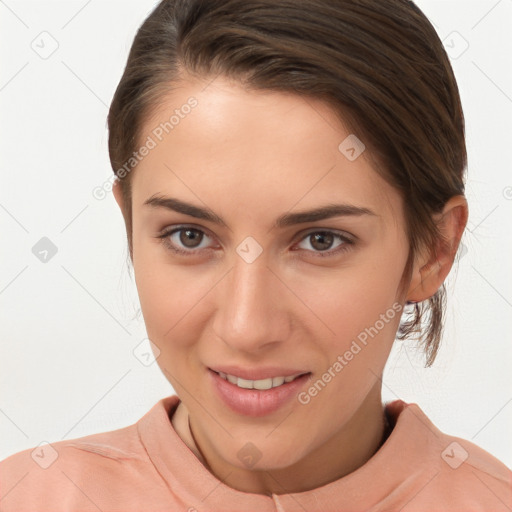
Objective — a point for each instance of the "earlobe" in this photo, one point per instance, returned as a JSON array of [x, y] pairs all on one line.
[[432, 268]]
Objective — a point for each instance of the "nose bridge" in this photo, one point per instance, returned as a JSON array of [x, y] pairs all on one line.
[[247, 316]]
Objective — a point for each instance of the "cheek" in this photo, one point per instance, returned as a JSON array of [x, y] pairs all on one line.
[[163, 290], [354, 298], [167, 299], [170, 306], [360, 314], [364, 317]]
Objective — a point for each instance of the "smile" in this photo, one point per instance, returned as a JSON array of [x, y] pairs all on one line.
[[258, 397], [271, 382]]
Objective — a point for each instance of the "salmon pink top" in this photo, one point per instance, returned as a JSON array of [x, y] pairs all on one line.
[[146, 467]]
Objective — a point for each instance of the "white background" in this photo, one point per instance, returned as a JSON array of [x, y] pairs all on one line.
[[69, 327]]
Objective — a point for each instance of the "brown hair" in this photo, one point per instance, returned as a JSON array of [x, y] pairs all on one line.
[[378, 63]]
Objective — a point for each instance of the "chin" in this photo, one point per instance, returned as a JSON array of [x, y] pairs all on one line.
[[264, 455]]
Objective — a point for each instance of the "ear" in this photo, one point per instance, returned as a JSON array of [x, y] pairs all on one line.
[[118, 194], [432, 266]]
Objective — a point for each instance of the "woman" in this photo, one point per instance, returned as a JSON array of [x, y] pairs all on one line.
[[291, 176]]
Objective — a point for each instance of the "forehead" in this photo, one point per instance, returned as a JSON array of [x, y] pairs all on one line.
[[218, 136]]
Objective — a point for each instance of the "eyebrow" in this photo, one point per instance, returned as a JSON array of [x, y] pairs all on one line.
[[288, 219]]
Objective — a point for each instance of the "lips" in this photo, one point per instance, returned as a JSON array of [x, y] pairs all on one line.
[[256, 402]]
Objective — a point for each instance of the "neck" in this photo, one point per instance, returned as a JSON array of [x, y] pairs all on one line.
[[350, 448]]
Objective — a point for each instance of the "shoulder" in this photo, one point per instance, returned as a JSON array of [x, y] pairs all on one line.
[[460, 475], [72, 471]]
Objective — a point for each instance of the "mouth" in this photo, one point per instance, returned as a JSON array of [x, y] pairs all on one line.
[[256, 397], [260, 384]]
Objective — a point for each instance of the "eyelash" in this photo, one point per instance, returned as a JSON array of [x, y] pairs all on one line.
[[164, 236]]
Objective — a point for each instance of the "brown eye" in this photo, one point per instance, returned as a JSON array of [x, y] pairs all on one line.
[[322, 243], [322, 240], [183, 240], [190, 238]]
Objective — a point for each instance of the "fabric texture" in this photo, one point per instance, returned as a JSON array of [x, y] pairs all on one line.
[[147, 467]]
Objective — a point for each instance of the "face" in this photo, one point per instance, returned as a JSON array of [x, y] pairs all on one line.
[[254, 289]]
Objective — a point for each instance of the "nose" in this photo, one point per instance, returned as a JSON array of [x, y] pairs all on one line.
[[251, 314]]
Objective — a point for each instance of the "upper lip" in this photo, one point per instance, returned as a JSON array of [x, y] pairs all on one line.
[[257, 373]]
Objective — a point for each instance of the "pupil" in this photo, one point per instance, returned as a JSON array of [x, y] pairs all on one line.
[[187, 236], [321, 237]]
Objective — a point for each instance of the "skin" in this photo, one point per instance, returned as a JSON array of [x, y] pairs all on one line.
[[251, 157]]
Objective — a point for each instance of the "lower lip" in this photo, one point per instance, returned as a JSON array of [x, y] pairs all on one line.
[[254, 402]]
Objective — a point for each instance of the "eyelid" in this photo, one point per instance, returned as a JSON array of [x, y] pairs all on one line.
[[170, 230], [343, 234]]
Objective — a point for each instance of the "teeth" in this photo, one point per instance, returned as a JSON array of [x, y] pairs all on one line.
[[271, 382], [246, 384], [277, 381]]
